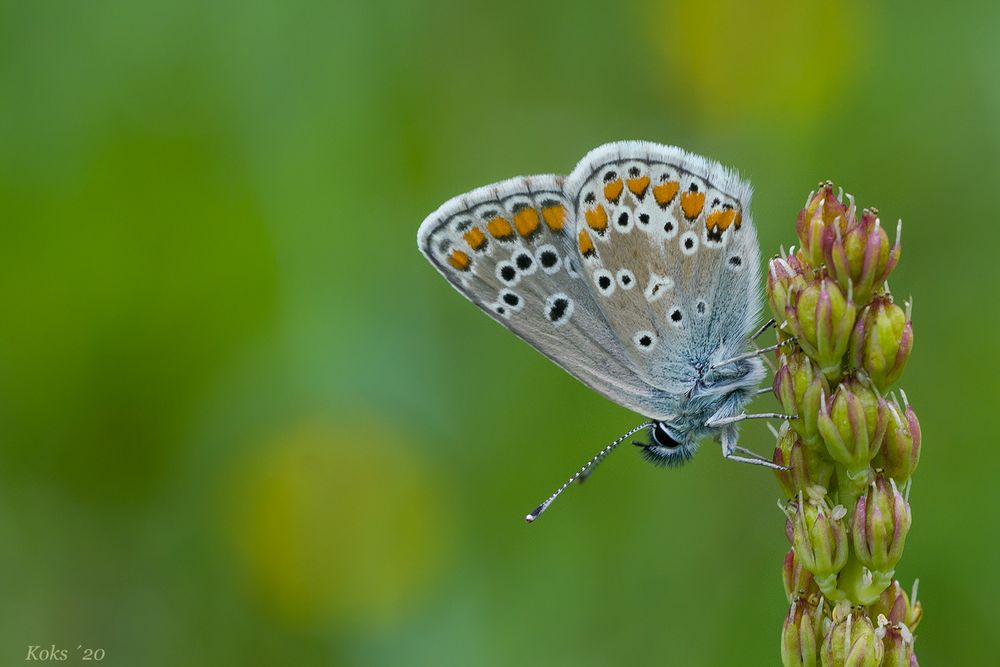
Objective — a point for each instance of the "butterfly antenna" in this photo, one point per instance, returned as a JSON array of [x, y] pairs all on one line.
[[585, 470]]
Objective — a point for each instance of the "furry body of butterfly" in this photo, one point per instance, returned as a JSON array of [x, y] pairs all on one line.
[[639, 274]]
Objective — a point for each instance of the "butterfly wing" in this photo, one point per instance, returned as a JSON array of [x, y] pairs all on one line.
[[670, 253], [510, 248]]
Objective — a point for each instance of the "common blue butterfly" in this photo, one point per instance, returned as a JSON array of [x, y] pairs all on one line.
[[639, 274]]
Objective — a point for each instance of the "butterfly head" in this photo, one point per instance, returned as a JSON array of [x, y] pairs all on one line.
[[668, 445]]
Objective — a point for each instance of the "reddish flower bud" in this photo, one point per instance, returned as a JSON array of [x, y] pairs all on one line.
[[897, 644], [822, 318], [783, 275], [859, 253], [819, 535], [879, 527], [800, 386], [900, 451], [853, 423], [801, 633], [804, 466], [823, 211], [898, 607], [850, 641], [798, 580], [882, 341]]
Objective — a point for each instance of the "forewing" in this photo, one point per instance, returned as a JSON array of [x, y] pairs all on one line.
[[670, 253], [510, 248]]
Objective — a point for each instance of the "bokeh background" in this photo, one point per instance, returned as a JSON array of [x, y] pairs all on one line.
[[243, 422]]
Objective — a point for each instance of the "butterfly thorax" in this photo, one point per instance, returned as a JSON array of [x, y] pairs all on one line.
[[713, 394]]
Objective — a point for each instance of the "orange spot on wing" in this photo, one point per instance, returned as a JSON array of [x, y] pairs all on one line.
[[738, 220], [500, 229], [555, 217], [638, 186], [712, 219], [664, 193], [731, 217], [475, 238], [721, 219], [692, 203], [586, 244], [613, 190], [527, 222], [597, 218], [459, 260]]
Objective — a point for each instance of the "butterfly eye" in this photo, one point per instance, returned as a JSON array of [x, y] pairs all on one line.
[[662, 438]]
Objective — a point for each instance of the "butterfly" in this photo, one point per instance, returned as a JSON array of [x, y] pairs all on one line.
[[639, 274]]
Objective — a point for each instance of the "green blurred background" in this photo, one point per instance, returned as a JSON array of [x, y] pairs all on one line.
[[244, 422]]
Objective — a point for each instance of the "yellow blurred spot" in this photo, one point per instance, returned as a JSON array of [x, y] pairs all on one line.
[[773, 59], [336, 523]]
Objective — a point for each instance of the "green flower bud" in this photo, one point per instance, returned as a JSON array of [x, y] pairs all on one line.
[[900, 451], [879, 527], [897, 644], [798, 580], [853, 422], [859, 253], [804, 466], [892, 603], [882, 341], [850, 641], [823, 210], [822, 318], [819, 536], [800, 635], [896, 606], [783, 275], [800, 386]]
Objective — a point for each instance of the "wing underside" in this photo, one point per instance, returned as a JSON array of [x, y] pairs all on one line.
[[629, 273]]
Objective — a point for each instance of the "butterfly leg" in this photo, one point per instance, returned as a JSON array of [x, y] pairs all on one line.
[[757, 462], [744, 450], [729, 449], [723, 421]]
